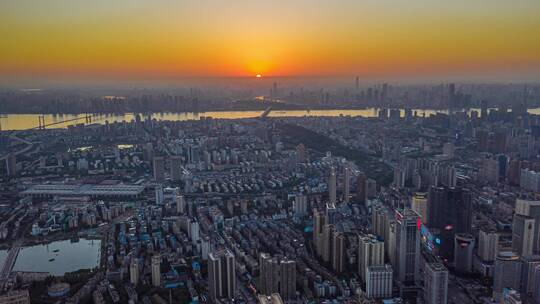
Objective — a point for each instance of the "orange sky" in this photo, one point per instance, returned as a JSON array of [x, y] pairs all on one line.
[[182, 38]]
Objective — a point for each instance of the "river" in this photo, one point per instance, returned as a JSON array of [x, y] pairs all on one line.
[[28, 121]]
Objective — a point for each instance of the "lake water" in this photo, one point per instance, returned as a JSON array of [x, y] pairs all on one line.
[[28, 121], [84, 254]]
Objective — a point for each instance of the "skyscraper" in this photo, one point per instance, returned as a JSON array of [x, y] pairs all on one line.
[[450, 211], [176, 168], [347, 184], [463, 252], [435, 284], [332, 195], [361, 191], [277, 275], [407, 247], [419, 204], [370, 253], [488, 244], [221, 275], [523, 234], [156, 270], [180, 204], [507, 273], [379, 282], [326, 244], [531, 209], [319, 221], [338, 251], [300, 204], [301, 153], [11, 164], [159, 169], [134, 271]]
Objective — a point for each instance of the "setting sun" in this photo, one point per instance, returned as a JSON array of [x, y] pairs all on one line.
[[258, 76]]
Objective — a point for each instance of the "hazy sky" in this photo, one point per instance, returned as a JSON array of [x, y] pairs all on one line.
[[184, 38]]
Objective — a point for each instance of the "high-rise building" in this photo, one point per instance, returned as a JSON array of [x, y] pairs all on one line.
[[379, 282], [156, 270], [408, 224], [277, 275], [319, 221], [379, 219], [531, 209], [221, 275], [371, 188], [463, 252], [346, 184], [159, 194], [338, 252], [536, 292], [176, 168], [332, 195], [134, 272], [159, 169], [529, 263], [11, 164], [419, 204], [361, 185], [529, 180], [326, 244], [370, 253], [435, 284], [523, 234], [513, 172], [488, 244], [507, 273], [301, 152], [180, 204], [300, 204], [194, 230], [482, 140], [449, 211]]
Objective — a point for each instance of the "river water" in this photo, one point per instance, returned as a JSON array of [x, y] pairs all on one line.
[[28, 121]]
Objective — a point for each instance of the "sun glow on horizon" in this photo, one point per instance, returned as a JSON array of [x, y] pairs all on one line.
[[165, 39]]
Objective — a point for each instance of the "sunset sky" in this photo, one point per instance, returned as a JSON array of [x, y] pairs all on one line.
[[230, 38]]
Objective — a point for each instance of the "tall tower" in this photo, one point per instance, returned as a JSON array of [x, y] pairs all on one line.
[[463, 252], [277, 276], [370, 253], [176, 168], [436, 284], [523, 234], [180, 204], [134, 272], [361, 188], [507, 273], [379, 282], [221, 275], [347, 184], [332, 186], [319, 221], [531, 209], [156, 270], [488, 244], [159, 169], [408, 224], [338, 252]]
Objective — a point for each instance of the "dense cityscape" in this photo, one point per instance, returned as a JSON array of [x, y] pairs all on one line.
[[396, 208], [270, 152]]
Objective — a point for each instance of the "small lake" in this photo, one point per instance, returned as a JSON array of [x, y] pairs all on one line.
[[58, 257]]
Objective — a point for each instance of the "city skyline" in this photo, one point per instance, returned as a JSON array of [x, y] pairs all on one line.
[[163, 40]]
